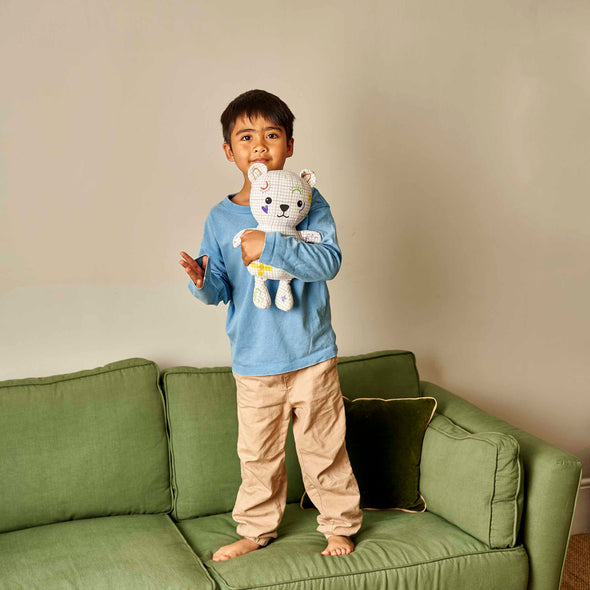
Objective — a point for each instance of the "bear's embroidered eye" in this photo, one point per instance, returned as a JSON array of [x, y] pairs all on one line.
[[268, 200], [300, 204]]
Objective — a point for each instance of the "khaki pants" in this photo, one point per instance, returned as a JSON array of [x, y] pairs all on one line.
[[265, 405]]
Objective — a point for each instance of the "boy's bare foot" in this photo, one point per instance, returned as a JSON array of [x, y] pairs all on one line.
[[236, 549], [338, 545]]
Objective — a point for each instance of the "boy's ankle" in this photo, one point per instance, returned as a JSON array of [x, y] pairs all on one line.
[[260, 541]]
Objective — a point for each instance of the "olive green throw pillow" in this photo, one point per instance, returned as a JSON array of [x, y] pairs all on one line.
[[384, 442]]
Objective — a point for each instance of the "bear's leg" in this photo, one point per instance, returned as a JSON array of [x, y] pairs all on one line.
[[261, 295], [284, 297]]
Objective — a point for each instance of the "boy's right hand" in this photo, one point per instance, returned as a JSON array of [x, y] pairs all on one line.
[[193, 268]]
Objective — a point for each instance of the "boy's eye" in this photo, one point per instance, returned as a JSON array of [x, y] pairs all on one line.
[[268, 200], [244, 137], [273, 135]]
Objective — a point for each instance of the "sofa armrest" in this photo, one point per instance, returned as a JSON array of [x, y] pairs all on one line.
[[551, 479]]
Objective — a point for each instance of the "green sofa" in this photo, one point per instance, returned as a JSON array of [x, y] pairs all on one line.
[[124, 477]]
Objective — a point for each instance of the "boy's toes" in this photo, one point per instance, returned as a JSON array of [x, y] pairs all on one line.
[[220, 555], [236, 549], [338, 545]]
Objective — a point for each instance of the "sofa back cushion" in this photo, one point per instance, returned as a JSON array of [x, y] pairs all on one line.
[[202, 417], [387, 374], [86, 444], [473, 481]]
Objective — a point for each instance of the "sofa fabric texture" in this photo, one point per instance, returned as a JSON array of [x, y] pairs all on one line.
[[474, 481], [86, 444]]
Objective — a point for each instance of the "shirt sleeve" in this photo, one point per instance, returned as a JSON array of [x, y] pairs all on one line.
[[216, 286], [308, 262]]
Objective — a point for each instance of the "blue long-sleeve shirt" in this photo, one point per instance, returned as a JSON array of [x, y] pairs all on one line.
[[271, 341]]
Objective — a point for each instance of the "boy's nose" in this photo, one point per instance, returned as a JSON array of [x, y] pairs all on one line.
[[284, 208], [259, 146]]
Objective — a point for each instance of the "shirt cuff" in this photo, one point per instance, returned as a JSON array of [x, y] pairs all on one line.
[[270, 241], [206, 278]]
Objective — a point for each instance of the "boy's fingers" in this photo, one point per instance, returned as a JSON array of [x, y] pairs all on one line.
[[193, 263], [193, 268], [188, 258], [192, 273], [195, 278]]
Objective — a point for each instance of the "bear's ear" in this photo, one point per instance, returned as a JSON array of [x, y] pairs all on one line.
[[308, 176], [256, 170]]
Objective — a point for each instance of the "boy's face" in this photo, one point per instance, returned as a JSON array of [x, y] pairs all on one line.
[[258, 140]]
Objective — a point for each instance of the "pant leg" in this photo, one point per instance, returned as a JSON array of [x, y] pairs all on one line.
[[319, 427], [263, 420]]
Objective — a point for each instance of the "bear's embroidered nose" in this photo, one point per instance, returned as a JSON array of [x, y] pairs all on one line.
[[284, 208]]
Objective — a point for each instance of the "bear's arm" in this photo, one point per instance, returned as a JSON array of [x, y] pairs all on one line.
[[307, 262], [310, 236]]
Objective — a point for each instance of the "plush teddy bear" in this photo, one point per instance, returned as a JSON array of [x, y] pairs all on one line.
[[279, 200]]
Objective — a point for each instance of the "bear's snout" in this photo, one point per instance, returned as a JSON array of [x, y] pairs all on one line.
[[284, 209]]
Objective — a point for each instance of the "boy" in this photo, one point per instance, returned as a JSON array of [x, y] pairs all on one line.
[[283, 362]]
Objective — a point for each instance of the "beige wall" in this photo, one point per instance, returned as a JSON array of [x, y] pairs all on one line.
[[452, 140]]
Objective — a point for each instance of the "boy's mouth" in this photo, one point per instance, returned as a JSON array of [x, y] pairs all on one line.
[[259, 161]]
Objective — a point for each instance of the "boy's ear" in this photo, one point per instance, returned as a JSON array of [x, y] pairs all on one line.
[[228, 152], [256, 170], [309, 176]]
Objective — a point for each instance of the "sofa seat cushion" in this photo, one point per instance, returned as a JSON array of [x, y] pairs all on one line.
[[122, 552], [394, 550]]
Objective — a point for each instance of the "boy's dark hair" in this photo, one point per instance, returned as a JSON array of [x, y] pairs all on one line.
[[257, 103]]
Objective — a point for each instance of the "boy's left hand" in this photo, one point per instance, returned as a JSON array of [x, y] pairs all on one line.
[[252, 245]]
